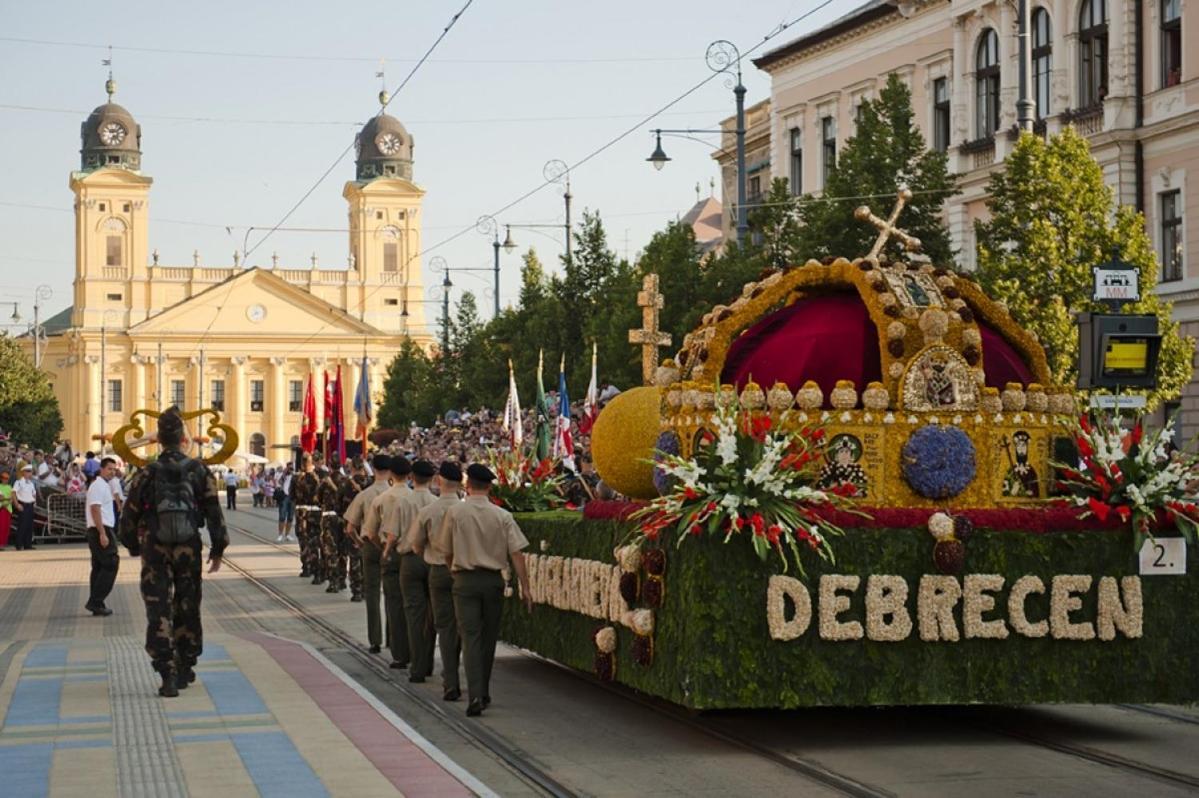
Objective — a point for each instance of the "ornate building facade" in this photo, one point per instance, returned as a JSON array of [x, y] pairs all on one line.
[[1115, 69], [242, 339]]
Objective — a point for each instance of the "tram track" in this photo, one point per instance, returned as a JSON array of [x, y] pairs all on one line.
[[807, 768], [475, 733]]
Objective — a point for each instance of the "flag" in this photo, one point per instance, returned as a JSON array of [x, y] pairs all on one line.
[[513, 423], [328, 408], [337, 439], [591, 401], [362, 405], [308, 422], [564, 445], [542, 409]]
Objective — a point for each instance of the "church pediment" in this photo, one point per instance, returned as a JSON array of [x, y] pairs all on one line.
[[251, 304]]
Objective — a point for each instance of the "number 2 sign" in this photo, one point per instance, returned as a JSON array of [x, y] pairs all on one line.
[[1164, 556]]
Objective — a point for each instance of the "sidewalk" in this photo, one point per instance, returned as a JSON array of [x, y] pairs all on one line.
[[266, 716]]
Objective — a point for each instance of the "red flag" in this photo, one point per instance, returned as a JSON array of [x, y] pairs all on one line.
[[308, 423], [338, 436], [328, 403]]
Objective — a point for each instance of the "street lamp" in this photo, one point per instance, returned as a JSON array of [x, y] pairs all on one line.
[[721, 56], [489, 227], [16, 317], [41, 294]]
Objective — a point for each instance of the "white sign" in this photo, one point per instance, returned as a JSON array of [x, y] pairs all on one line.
[[1112, 402], [1117, 285], [1164, 556]]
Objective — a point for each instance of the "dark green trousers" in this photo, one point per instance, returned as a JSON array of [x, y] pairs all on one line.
[[418, 614], [393, 607], [371, 580], [441, 594], [478, 605]]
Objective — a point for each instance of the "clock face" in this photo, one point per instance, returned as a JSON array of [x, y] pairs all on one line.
[[256, 313], [112, 134], [388, 143]]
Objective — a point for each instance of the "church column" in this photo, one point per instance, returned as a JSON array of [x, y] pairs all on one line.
[[137, 390], [276, 403], [236, 400], [92, 393]]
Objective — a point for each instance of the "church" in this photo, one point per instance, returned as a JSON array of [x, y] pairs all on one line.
[[242, 339]]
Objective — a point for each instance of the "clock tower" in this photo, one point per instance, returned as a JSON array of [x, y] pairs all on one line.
[[111, 215], [385, 221]]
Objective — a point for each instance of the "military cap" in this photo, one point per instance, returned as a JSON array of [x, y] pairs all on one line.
[[401, 466], [451, 471], [423, 468], [381, 462], [479, 473]]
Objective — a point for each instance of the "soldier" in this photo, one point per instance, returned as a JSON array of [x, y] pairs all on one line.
[[413, 573], [424, 536], [168, 500], [332, 555], [373, 529], [479, 539], [346, 493], [368, 552], [308, 517]]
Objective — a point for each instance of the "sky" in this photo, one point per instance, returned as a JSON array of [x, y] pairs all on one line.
[[244, 106]]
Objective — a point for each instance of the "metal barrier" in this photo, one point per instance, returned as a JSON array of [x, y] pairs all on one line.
[[62, 518]]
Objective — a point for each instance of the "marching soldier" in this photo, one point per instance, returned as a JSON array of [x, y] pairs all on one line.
[[168, 500], [332, 556], [479, 540], [424, 536], [347, 492], [308, 516], [368, 552], [413, 573], [374, 527]]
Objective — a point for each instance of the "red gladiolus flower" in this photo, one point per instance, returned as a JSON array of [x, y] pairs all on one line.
[[696, 529], [1100, 509], [1124, 512], [651, 534], [690, 494], [1085, 423], [772, 534], [818, 435], [1084, 447], [710, 508], [1137, 432]]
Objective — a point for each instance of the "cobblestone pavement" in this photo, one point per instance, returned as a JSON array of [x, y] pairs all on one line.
[[280, 708]]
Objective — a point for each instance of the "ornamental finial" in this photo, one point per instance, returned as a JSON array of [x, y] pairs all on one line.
[[887, 227]]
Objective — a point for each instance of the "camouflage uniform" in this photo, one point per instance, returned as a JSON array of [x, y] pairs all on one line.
[[308, 523], [350, 488], [170, 581], [332, 532]]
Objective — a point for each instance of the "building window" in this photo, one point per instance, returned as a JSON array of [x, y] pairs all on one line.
[[986, 81], [258, 444], [378, 214], [828, 147], [796, 161], [941, 114], [390, 256], [113, 297], [1092, 52], [754, 190], [178, 392], [218, 395], [115, 399], [256, 393], [295, 396], [127, 207], [1042, 61], [112, 256], [1170, 203], [1171, 42], [391, 301]]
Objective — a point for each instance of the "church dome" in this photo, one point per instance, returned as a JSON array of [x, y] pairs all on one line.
[[384, 148], [110, 136]]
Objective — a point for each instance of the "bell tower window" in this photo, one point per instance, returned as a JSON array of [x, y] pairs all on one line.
[[113, 254], [390, 256]]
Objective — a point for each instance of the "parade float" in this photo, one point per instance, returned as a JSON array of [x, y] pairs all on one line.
[[853, 486]]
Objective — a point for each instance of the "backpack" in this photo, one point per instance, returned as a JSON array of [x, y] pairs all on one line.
[[174, 519]]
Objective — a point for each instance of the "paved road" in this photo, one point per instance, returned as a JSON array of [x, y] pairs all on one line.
[[597, 741]]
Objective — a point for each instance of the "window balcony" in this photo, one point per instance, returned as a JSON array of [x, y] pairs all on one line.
[[1087, 121]]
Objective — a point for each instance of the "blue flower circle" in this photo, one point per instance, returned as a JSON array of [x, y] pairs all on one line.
[[668, 444], [939, 462]]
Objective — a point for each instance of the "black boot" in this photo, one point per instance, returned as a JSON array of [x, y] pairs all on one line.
[[169, 689], [185, 678]]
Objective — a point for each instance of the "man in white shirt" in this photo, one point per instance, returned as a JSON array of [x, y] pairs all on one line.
[[24, 491], [118, 495], [101, 538], [230, 490]]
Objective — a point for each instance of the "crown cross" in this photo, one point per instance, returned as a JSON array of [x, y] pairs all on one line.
[[887, 227], [650, 337]]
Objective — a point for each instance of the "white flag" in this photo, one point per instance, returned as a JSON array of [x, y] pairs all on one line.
[[513, 423]]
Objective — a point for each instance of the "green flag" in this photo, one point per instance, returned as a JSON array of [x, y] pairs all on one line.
[[542, 408]]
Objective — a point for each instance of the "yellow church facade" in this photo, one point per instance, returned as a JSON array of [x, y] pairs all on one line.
[[242, 339]]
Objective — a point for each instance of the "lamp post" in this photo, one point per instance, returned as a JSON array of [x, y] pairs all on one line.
[[41, 294], [722, 56], [488, 227], [1025, 107]]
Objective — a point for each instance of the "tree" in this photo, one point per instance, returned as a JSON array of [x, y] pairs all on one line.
[[886, 150], [533, 283], [408, 389], [1051, 221], [777, 228], [28, 410], [673, 255]]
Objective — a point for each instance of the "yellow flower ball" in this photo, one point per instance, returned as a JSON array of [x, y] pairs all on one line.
[[622, 442]]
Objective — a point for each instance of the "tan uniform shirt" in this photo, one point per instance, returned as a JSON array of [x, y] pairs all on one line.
[[358, 507], [480, 536], [425, 532], [403, 513], [380, 509]]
